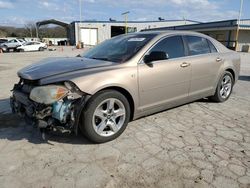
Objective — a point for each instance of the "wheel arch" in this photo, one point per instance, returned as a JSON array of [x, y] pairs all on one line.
[[127, 94], [232, 72]]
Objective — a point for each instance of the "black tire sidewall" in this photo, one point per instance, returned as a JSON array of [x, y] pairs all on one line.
[[86, 126], [5, 48]]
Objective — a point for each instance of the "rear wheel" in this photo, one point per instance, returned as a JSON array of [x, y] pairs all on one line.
[[224, 88], [105, 116], [41, 49]]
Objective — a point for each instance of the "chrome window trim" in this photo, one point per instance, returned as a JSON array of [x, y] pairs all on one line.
[[208, 45], [158, 41]]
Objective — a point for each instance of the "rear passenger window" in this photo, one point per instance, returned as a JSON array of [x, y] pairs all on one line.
[[197, 45], [173, 46], [212, 47]]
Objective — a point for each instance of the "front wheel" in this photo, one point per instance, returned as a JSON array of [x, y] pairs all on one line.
[[224, 88], [5, 48], [105, 116]]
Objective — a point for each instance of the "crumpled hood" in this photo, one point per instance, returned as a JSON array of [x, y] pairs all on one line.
[[56, 66]]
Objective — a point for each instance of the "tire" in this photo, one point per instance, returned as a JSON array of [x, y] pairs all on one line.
[[224, 88], [101, 125], [41, 49], [6, 48], [21, 50]]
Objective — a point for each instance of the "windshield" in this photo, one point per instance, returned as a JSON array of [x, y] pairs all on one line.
[[119, 49]]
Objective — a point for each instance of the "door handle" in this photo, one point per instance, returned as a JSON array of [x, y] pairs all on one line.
[[185, 64], [218, 59]]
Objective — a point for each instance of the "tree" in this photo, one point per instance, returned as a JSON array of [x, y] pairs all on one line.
[[13, 35], [31, 29], [3, 34]]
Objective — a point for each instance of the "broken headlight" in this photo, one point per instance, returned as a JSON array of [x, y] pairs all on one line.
[[48, 94]]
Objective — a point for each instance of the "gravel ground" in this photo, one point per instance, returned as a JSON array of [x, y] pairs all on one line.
[[201, 144]]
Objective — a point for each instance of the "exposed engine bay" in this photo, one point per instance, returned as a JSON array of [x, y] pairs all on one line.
[[50, 108]]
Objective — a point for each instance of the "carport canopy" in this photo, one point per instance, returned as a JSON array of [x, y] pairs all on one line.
[[51, 21]]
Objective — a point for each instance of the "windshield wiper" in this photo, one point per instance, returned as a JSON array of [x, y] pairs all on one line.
[[100, 58]]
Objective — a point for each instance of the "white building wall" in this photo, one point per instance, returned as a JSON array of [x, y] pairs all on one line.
[[104, 28], [243, 23], [54, 41], [244, 39]]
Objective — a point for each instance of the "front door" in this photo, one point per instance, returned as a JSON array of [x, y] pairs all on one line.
[[166, 81], [12, 43]]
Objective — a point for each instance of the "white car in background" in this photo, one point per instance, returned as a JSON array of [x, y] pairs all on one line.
[[12, 44], [32, 46]]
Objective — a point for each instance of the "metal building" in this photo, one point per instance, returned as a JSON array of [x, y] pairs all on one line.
[[94, 32], [223, 31]]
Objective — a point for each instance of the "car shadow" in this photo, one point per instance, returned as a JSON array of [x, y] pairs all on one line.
[[5, 106], [205, 100], [244, 78], [13, 127]]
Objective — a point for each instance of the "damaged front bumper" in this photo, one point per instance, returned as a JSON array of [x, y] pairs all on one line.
[[63, 115]]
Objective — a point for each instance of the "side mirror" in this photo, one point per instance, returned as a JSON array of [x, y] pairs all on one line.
[[155, 56]]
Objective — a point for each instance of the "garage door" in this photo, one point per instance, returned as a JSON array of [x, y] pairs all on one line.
[[89, 36]]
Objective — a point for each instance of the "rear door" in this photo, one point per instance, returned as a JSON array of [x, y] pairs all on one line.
[[29, 46], [36, 46], [165, 82], [205, 62]]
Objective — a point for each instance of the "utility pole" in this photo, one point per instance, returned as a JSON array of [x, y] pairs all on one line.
[[185, 21], [238, 25], [125, 14], [80, 9], [79, 25]]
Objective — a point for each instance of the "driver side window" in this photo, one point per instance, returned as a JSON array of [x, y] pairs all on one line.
[[172, 46]]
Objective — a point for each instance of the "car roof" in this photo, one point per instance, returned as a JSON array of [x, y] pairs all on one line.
[[168, 32], [162, 33], [31, 42]]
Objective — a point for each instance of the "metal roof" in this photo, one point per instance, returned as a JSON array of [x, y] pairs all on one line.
[[154, 21], [52, 21], [209, 25]]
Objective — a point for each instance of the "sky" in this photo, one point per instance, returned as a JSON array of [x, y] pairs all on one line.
[[21, 12]]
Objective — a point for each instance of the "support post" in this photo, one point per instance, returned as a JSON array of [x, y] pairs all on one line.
[[79, 25], [125, 14], [238, 26]]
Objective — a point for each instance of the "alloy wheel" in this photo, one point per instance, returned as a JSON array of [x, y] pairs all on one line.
[[226, 86], [109, 117]]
